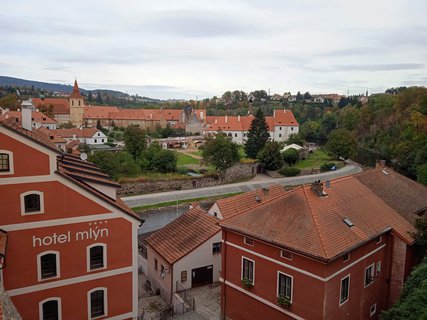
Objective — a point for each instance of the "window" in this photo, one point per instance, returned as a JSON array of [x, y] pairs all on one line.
[[292, 128], [373, 309], [48, 265], [50, 309], [280, 135], [97, 256], [235, 135], [95, 141], [369, 275], [4, 162], [345, 289], [286, 254], [378, 267], [162, 269], [32, 202], [280, 128], [79, 103], [97, 301], [248, 267], [284, 286], [155, 265], [183, 276], [249, 241], [103, 140], [216, 247]]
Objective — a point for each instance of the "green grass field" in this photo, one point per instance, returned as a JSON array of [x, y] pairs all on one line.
[[184, 159], [314, 160]]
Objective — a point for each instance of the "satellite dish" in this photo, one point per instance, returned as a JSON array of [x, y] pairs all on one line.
[[83, 156]]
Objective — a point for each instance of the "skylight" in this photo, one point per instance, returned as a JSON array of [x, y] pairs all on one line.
[[348, 222]]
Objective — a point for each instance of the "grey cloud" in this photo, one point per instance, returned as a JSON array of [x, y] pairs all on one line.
[[356, 51], [378, 67]]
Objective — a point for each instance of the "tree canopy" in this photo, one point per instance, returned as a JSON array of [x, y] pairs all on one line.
[[270, 156], [290, 156], [220, 151], [258, 135], [342, 144], [135, 141]]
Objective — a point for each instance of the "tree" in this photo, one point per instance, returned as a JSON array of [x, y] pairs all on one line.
[[98, 124], [164, 161], [290, 156], [422, 174], [120, 164], [342, 144], [220, 151], [47, 110], [258, 135], [135, 141], [99, 98], [270, 156], [148, 154], [90, 97]]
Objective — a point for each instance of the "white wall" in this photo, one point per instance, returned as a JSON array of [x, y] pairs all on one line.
[[200, 257], [215, 209]]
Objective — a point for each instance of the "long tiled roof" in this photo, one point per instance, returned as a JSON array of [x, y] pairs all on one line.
[[79, 133], [171, 114], [229, 207], [37, 116], [60, 105], [302, 221], [183, 235], [99, 112], [284, 118], [406, 196]]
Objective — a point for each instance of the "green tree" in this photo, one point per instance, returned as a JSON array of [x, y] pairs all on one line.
[[135, 141], [164, 161], [342, 143], [270, 156], [422, 174], [258, 135], [98, 124], [220, 151], [145, 160], [99, 98], [90, 97], [120, 164], [290, 156]]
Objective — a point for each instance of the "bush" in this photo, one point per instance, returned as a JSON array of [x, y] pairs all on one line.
[[327, 166], [290, 171], [164, 161]]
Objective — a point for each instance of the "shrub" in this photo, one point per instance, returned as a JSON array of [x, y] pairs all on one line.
[[327, 166], [283, 301], [290, 171]]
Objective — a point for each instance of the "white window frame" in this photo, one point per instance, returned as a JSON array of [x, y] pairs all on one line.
[[104, 256], [39, 265], [373, 275], [47, 300], [374, 306], [89, 314], [11, 167], [348, 293], [292, 285], [242, 267], [282, 256], [249, 244], [22, 196]]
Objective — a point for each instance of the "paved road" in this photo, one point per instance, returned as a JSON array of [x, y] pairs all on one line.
[[154, 198]]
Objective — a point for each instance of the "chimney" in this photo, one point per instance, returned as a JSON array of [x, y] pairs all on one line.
[[201, 115], [226, 119], [317, 188], [27, 110], [266, 191], [74, 137], [238, 118]]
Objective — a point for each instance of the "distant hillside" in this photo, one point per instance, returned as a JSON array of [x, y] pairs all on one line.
[[54, 87]]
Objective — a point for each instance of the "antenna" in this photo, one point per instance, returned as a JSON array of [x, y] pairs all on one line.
[[83, 156]]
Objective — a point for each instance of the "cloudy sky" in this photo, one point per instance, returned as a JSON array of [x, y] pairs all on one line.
[[189, 49]]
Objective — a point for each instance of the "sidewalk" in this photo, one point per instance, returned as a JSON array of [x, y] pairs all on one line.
[[256, 183]]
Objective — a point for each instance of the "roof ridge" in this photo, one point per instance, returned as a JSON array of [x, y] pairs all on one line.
[[315, 223]]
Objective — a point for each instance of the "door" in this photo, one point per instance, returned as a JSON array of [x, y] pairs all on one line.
[[201, 276]]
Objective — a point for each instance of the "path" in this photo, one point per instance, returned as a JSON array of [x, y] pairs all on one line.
[[154, 198]]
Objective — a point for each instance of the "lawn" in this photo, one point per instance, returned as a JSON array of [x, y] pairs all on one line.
[[185, 159], [197, 153], [314, 160]]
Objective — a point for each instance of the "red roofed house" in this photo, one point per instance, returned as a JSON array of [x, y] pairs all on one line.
[[72, 244], [38, 119], [61, 107], [186, 253], [89, 136], [339, 252], [281, 125]]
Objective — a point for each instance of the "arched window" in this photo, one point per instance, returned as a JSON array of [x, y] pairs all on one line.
[[32, 202], [6, 162], [96, 256], [97, 303], [50, 309], [48, 265]]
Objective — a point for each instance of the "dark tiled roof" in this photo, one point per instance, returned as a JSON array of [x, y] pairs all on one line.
[[302, 221], [401, 193], [183, 235]]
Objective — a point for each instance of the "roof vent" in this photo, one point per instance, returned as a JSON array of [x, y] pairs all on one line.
[[348, 222], [328, 183], [257, 198], [385, 172]]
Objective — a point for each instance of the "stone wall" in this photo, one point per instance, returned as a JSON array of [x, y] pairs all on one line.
[[237, 172]]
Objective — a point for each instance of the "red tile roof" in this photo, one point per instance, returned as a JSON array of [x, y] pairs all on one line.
[[37, 116], [79, 133], [232, 206], [183, 235], [171, 114], [60, 105], [99, 112], [312, 225], [76, 91], [52, 135], [284, 118], [229, 123], [406, 196]]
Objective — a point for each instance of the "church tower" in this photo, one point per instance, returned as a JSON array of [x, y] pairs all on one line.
[[76, 106]]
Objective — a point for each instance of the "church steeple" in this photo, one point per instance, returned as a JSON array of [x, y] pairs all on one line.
[[76, 91]]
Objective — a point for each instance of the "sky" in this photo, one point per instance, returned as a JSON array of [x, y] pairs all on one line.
[[196, 49]]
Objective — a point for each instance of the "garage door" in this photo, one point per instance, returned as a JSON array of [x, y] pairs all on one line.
[[201, 276]]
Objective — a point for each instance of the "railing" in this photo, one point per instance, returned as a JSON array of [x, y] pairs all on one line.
[[9, 310]]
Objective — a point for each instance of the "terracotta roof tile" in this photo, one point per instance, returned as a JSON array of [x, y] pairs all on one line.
[[99, 112], [52, 136], [79, 133], [284, 118], [171, 114], [302, 221], [37, 116], [76, 91], [183, 235], [60, 105]]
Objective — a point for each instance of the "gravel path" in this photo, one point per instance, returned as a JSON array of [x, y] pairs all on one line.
[[154, 198]]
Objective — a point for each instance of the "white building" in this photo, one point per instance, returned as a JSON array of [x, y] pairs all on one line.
[[89, 136]]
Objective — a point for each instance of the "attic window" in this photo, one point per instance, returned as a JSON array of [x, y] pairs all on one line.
[[348, 222], [249, 241], [286, 254]]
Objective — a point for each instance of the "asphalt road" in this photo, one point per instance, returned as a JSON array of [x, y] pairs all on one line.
[[154, 198]]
